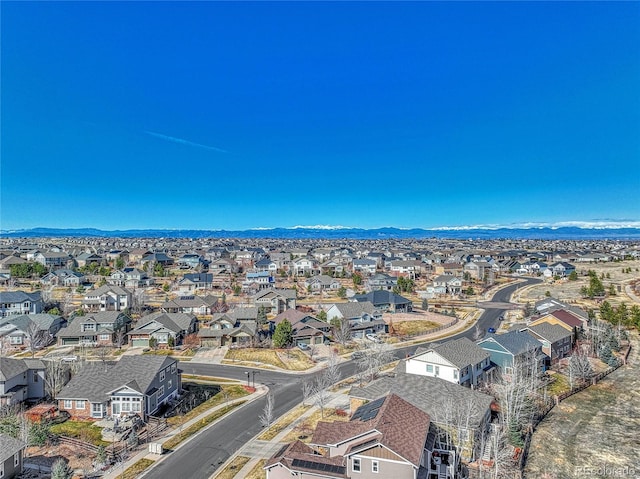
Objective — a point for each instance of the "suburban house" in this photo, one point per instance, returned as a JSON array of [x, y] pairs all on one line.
[[386, 301], [459, 361], [388, 437], [63, 277], [190, 260], [258, 280], [107, 298], [19, 302], [449, 406], [166, 329], [11, 452], [332, 266], [305, 328], [191, 282], [477, 270], [512, 349], [364, 265], [130, 278], [226, 331], [198, 305], [52, 259], [21, 380], [305, 266], [447, 284], [156, 258], [322, 282], [561, 268], [362, 316], [133, 385], [24, 331], [106, 328], [85, 259], [562, 318], [276, 300], [381, 281], [555, 339], [224, 266]]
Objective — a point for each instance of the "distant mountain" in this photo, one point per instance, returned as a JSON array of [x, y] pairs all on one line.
[[301, 232]]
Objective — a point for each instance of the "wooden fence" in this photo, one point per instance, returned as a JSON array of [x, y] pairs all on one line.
[[431, 331]]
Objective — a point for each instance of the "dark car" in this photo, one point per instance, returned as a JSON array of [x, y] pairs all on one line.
[[491, 330]]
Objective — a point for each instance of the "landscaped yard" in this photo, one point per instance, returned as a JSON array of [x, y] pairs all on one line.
[[134, 471], [83, 430], [290, 359], [258, 472]]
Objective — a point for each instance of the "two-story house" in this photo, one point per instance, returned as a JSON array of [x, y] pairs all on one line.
[[276, 300], [365, 266], [63, 277], [95, 329], [191, 282], [165, 329], [513, 349], [363, 317], [130, 278], [555, 339], [322, 282], [386, 301], [134, 385], [21, 380], [198, 305], [29, 330], [459, 361], [107, 298], [19, 302], [388, 437], [11, 453]]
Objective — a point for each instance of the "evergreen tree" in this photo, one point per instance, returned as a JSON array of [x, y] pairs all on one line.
[[283, 334]]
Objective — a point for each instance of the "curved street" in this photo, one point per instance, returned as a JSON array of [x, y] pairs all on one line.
[[208, 450]]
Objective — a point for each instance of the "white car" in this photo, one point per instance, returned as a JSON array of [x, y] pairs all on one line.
[[374, 338]]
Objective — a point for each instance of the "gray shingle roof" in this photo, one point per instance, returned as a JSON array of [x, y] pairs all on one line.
[[9, 446], [515, 342], [18, 296], [10, 368], [382, 297], [427, 393], [96, 379], [550, 332], [461, 352], [353, 310]]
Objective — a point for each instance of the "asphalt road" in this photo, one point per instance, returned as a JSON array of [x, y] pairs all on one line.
[[206, 452]]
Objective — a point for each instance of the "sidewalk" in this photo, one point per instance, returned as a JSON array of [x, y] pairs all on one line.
[[117, 470], [257, 449]]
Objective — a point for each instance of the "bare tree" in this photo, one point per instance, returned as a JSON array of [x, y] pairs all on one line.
[[120, 336], [266, 418], [321, 393], [460, 424], [307, 391], [138, 301], [580, 368], [374, 358], [341, 330], [55, 377], [38, 338], [332, 372]]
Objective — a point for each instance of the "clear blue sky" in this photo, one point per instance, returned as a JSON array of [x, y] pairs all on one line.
[[234, 115]]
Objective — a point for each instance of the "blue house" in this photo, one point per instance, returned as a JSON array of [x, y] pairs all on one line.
[[508, 349]]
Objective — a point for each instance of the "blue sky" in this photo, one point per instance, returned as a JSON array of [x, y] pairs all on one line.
[[234, 115]]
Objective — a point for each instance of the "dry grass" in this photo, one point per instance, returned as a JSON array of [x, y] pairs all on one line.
[[234, 391], [137, 469], [258, 472], [291, 359], [283, 422], [414, 327], [305, 430], [206, 379], [230, 471]]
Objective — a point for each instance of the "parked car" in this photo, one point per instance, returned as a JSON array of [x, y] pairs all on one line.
[[373, 337], [304, 346], [491, 330]]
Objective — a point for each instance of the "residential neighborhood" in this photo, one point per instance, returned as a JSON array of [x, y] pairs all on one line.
[[107, 335]]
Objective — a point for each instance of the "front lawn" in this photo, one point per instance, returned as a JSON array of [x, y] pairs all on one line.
[[228, 393], [304, 431], [413, 328], [231, 469], [283, 422], [134, 471]]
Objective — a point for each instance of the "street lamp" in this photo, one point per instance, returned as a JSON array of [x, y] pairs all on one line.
[[253, 377], [247, 373]]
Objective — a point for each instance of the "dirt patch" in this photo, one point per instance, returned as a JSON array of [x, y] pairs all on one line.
[[77, 457], [593, 433]]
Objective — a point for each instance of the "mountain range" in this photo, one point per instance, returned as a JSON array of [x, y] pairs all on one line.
[[301, 232]]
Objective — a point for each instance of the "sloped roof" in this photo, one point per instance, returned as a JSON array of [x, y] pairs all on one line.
[[550, 332], [352, 310], [515, 342], [567, 318], [382, 297], [10, 368], [18, 296], [461, 352], [297, 456], [9, 446], [402, 426], [427, 393]]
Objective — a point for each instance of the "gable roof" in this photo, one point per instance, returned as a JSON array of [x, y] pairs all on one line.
[[567, 318], [10, 368], [353, 310], [9, 446], [550, 332], [403, 428], [297, 456], [382, 297], [19, 296], [460, 352], [427, 393], [516, 342], [95, 380]]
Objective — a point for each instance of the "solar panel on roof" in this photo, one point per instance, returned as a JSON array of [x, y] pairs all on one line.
[[319, 466], [368, 411]]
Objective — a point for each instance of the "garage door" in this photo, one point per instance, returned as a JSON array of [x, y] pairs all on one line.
[[140, 343]]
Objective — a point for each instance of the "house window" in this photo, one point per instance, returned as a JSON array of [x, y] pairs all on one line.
[[35, 376], [68, 404], [162, 375], [80, 404], [15, 340], [173, 368], [375, 466], [160, 391], [135, 405], [430, 368], [16, 459], [105, 337], [169, 384], [356, 467], [455, 374], [89, 327]]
